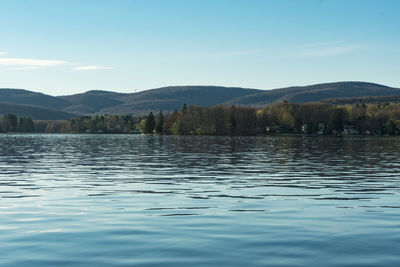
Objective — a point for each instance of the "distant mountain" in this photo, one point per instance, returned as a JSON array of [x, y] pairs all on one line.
[[173, 97], [166, 98], [317, 92], [36, 113], [20, 96], [91, 101]]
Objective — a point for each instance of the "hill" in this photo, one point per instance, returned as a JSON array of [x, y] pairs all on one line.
[[25, 97], [91, 101], [173, 97], [317, 92], [36, 113]]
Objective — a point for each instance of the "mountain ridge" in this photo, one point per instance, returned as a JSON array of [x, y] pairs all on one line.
[[296, 94], [34, 112], [173, 97]]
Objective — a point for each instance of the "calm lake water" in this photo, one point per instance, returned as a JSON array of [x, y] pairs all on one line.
[[123, 200]]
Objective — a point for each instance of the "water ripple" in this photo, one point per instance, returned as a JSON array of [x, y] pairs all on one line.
[[125, 200]]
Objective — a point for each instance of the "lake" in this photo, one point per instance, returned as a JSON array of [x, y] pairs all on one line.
[[126, 200]]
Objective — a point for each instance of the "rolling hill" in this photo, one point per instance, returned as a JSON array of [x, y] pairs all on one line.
[[317, 92], [91, 101], [166, 98], [25, 97], [36, 113], [173, 97]]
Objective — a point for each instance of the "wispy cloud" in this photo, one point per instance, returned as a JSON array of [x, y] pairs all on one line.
[[93, 67], [15, 63], [30, 62], [326, 49]]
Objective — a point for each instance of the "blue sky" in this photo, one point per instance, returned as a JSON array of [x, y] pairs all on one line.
[[64, 47]]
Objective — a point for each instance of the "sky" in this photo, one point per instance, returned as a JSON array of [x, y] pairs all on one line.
[[67, 46]]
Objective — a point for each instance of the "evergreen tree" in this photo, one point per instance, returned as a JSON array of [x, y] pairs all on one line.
[[26, 125], [159, 123], [21, 124], [232, 120], [10, 123], [184, 108], [338, 120], [149, 124]]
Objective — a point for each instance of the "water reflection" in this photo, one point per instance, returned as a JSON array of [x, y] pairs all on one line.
[[165, 200]]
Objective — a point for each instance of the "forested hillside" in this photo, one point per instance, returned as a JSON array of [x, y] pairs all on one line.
[[317, 92], [35, 112], [172, 98]]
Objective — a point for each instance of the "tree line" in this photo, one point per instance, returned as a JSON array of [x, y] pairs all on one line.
[[283, 117], [97, 124], [308, 118], [12, 123]]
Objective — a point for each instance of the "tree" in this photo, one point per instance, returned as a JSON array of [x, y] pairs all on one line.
[[218, 120], [338, 120], [10, 123], [288, 121], [390, 127], [26, 125], [30, 126], [159, 123], [184, 108], [149, 124], [232, 120]]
